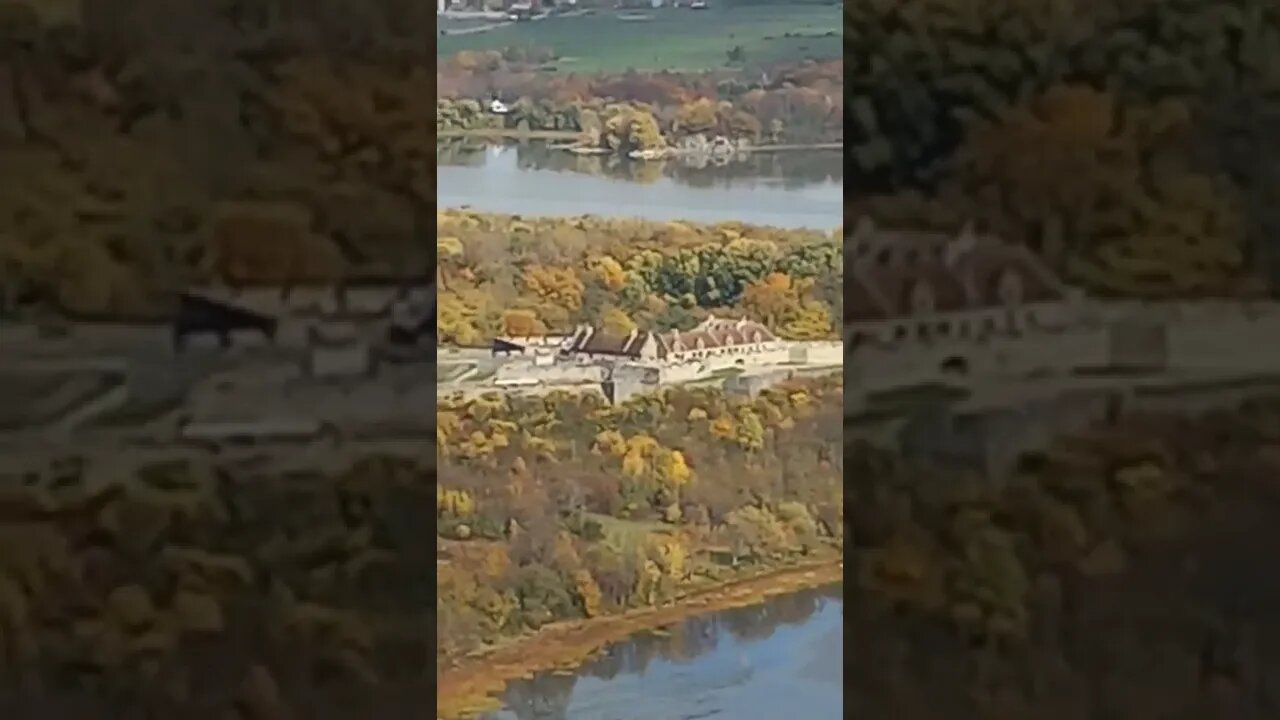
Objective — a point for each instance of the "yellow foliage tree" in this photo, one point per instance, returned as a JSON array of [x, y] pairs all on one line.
[[588, 592], [698, 116], [454, 503], [559, 286], [770, 298], [673, 470], [456, 320], [616, 323], [1184, 239], [631, 128], [637, 462], [812, 321], [522, 323], [750, 430], [724, 427], [448, 248], [610, 442], [608, 271]]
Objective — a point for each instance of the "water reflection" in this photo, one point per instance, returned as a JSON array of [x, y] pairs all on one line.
[[782, 658], [799, 190], [788, 170]]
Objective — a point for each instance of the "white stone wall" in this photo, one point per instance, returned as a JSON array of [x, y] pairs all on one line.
[[554, 374], [339, 361], [683, 372], [1236, 341], [816, 353], [882, 366]]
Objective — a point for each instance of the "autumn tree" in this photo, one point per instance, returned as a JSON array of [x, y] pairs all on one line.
[[615, 323], [1050, 168], [771, 298], [522, 323], [629, 129]]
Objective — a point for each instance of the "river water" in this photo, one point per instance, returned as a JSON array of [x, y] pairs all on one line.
[[802, 189], [780, 659]]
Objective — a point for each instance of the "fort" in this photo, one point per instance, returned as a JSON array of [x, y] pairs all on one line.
[[956, 345], [974, 351], [593, 355]]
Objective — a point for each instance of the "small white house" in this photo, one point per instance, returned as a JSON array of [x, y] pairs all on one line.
[[497, 107]]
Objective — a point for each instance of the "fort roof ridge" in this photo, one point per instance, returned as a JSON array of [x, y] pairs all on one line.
[[891, 274]]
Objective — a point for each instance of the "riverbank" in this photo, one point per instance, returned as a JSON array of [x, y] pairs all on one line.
[[671, 152], [472, 685], [663, 154], [507, 134]]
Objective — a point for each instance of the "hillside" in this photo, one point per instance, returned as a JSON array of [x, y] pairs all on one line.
[[1117, 576], [1128, 142], [134, 139]]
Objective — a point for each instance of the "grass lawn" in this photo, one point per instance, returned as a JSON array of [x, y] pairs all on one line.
[[628, 534], [674, 39]]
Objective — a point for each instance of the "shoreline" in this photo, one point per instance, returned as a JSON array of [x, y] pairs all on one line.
[[508, 134], [665, 154], [473, 683]]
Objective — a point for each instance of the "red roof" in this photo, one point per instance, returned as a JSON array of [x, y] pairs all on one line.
[[892, 274]]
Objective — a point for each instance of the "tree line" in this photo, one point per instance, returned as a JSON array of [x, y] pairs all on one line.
[[498, 274], [790, 103], [1125, 141], [1013, 598]]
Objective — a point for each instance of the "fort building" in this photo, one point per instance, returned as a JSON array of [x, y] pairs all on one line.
[[919, 286], [712, 339]]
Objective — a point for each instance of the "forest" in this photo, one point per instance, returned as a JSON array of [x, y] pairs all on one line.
[[792, 103], [196, 588], [1130, 143], [503, 275], [1116, 575], [139, 137], [563, 506]]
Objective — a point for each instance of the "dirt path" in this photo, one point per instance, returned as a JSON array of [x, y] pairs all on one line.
[[471, 685]]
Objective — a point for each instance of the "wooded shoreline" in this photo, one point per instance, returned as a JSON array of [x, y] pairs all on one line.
[[517, 134], [472, 684]]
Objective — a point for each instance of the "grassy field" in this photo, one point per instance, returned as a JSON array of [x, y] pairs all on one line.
[[628, 534], [673, 39]]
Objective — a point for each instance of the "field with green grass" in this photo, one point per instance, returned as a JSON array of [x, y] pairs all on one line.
[[672, 39]]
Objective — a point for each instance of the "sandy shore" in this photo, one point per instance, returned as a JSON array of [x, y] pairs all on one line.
[[471, 685]]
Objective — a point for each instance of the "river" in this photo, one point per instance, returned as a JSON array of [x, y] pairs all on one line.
[[800, 189], [780, 659]]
